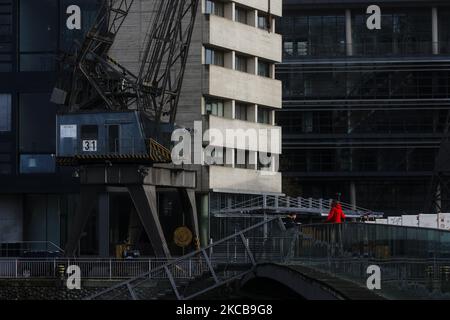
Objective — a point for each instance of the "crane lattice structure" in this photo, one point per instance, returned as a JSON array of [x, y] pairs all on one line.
[[100, 83]]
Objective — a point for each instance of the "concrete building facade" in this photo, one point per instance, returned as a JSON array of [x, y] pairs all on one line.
[[229, 85]]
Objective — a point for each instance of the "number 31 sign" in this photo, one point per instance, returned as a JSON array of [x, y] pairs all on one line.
[[89, 145]]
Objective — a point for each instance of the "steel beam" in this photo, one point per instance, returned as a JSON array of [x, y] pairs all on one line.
[[145, 202], [189, 204]]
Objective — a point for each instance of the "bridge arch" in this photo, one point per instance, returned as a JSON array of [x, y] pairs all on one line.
[[302, 285]]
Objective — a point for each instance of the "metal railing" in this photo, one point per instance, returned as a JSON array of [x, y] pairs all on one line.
[[291, 204], [99, 269], [366, 49], [30, 249], [414, 262], [222, 262]]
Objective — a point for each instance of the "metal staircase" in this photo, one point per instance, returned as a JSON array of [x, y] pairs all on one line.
[[222, 262]]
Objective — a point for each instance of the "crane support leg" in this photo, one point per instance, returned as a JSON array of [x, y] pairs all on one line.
[[145, 202], [188, 199], [87, 203]]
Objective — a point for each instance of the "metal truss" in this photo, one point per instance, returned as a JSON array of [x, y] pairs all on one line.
[[101, 83]]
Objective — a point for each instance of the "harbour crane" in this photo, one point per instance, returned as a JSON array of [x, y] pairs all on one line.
[[114, 124]]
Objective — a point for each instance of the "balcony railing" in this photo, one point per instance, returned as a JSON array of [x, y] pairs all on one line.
[[386, 49]]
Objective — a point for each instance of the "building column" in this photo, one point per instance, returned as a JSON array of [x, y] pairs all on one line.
[[353, 194], [348, 32], [204, 220], [435, 30], [103, 225]]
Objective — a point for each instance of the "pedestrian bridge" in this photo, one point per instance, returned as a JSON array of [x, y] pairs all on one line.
[[318, 261], [276, 204]]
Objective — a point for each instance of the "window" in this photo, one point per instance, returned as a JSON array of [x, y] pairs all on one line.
[[241, 111], [37, 163], [43, 31], [241, 15], [5, 112], [38, 35], [37, 129], [241, 158], [288, 48], [214, 107], [264, 69], [214, 7], [264, 160], [89, 132], [89, 12], [6, 37], [264, 115], [263, 21], [113, 138], [241, 63], [215, 57]]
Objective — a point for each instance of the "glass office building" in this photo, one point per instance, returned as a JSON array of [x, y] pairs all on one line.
[[364, 110], [36, 197]]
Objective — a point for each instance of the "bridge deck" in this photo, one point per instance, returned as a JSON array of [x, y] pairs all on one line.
[[349, 290]]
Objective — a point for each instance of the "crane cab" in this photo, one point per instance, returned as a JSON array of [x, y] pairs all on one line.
[[107, 136]]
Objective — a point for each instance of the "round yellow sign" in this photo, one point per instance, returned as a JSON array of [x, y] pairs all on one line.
[[182, 237]]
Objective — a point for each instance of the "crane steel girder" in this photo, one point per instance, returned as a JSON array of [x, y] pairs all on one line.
[[101, 83]]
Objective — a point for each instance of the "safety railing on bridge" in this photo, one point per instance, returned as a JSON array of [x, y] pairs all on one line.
[[98, 269], [413, 262], [224, 261], [291, 204]]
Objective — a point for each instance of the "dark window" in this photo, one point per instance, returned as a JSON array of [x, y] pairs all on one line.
[[38, 34], [114, 138], [264, 161], [5, 112], [264, 115], [89, 11], [263, 21], [241, 158], [241, 111], [37, 123], [37, 163], [264, 69], [241, 15], [402, 33], [241, 63], [89, 132], [215, 57], [214, 7], [6, 36], [43, 31], [214, 107]]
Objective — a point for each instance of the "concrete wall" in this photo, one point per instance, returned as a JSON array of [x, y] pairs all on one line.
[[264, 142], [128, 49], [216, 81], [11, 218], [243, 38], [250, 88], [224, 179]]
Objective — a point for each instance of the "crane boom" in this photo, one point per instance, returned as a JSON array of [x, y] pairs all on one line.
[[102, 84]]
